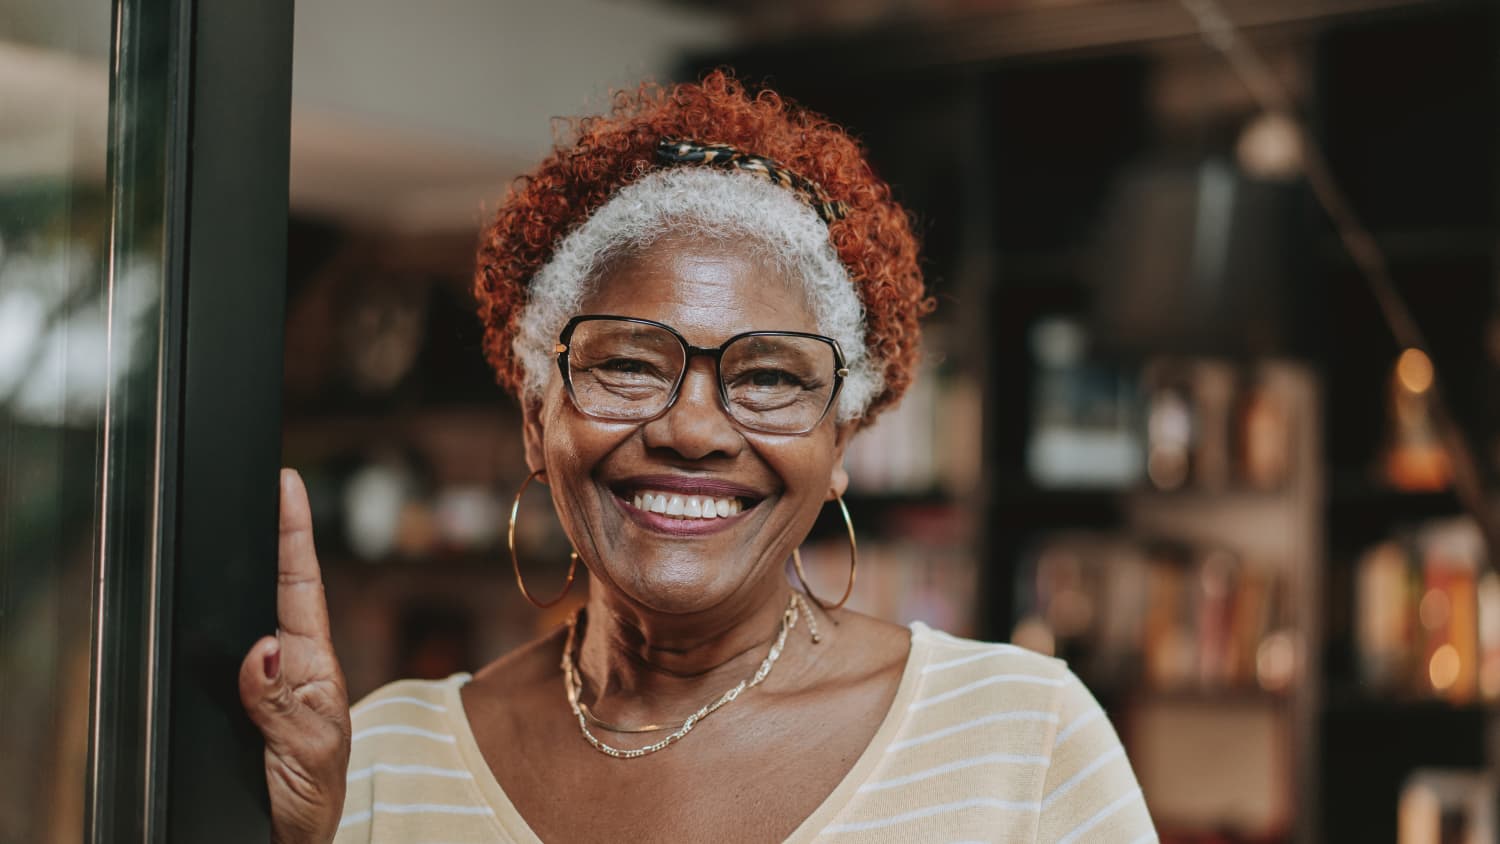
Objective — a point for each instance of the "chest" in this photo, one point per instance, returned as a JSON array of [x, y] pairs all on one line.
[[751, 775]]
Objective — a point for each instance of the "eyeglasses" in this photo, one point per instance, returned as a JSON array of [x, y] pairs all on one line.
[[625, 369]]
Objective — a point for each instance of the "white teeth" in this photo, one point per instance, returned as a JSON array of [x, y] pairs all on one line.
[[687, 506]]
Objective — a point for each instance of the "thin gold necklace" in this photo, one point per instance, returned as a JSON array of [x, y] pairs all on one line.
[[589, 716], [574, 686]]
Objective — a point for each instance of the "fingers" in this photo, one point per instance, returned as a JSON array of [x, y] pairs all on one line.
[[301, 608], [308, 723], [263, 688]]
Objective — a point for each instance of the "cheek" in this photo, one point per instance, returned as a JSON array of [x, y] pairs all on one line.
[[574, 446], [571, 441], [805, 466]]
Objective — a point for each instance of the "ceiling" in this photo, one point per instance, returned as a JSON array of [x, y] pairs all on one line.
[[405, 116], [414, 116]]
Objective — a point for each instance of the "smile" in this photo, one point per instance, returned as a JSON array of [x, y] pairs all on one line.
[[685, 506], [677, 506]]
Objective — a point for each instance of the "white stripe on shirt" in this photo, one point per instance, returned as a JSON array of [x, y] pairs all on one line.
[[412, 770], [965, 660], [988, 759], [401, 730], [391, 701], [430, 809], [987, 681], [940, 809], [1078, 723], [1067, 785], [995, 718], [1121, 802], [413, 809]]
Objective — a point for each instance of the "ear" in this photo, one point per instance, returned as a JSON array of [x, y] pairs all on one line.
[[838, 482], [531, 433]]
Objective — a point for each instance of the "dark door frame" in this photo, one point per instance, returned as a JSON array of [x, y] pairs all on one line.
[[199, 145]]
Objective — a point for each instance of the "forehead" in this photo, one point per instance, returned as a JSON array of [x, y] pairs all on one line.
[[707, 288]]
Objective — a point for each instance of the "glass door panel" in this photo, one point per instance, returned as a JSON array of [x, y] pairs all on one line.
[[54, 321], [138, 433]]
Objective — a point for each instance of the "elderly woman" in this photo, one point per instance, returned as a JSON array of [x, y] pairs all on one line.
[[698, 300]]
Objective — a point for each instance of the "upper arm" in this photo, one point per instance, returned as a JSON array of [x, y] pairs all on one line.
[[1090, 792]]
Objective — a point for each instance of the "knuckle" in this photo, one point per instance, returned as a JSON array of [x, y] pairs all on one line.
[[281, 701], [287, 578]]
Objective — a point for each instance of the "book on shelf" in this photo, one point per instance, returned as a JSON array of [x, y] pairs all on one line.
[[1133, 613], [1427, 615]]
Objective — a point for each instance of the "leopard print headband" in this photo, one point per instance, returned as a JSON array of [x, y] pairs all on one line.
[[686, 151]]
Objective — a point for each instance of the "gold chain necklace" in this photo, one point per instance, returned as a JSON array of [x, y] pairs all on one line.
[[574, 685]]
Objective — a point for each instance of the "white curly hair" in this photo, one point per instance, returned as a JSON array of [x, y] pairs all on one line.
[[705, 203]]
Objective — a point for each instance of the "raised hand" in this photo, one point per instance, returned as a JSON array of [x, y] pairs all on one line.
[[293, 689]]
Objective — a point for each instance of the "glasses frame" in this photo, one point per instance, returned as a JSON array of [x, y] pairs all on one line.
[[564, 344]]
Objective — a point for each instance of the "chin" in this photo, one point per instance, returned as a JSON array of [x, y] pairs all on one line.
[[677, 587]]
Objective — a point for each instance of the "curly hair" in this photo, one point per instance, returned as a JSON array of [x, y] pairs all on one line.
[[874, 241]]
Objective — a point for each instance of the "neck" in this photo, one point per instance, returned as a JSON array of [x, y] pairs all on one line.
[[643, 667]]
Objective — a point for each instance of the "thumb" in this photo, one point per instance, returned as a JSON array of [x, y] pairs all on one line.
[[264, 692]]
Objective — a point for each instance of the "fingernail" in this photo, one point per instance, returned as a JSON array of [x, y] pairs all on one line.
[[288, 478], [272, 663]]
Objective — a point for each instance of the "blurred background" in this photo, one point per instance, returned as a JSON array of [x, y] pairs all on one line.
[[1163, 429]]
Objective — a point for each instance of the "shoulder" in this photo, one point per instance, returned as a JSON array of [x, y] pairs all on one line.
[[405, 701], [1008, 676], [407, 718], [990, 670], [1087, 785], [410, 766], [979, 679]]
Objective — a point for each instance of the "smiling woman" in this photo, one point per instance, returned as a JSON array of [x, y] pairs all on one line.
[[700, 299]]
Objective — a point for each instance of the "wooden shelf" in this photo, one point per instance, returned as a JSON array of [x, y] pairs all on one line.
[[1353, 701], [1360, 513]]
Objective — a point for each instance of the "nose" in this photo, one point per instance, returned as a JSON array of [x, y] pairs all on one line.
[[696, 426]]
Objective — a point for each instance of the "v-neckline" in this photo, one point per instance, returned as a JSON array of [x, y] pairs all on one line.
[[513, 825]]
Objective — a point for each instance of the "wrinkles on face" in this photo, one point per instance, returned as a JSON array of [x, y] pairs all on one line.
[[713, 289], [709, 290]]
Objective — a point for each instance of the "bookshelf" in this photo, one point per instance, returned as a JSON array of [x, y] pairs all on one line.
[[1047, 137], [1372, 739]]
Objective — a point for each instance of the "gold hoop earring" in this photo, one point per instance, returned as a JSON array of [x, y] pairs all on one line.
[[853, 563], [515, 562]]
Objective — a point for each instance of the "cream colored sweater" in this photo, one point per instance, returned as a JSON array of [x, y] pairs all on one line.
[[983, 743]]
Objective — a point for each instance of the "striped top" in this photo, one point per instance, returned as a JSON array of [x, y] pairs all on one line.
[[983, 743]]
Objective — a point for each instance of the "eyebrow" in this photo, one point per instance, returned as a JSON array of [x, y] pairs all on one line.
[[630, 330]]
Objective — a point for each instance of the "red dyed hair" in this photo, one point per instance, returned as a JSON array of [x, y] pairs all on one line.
[[874, 240]]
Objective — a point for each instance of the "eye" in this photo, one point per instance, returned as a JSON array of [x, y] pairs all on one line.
[[772, 378], [626, 366]]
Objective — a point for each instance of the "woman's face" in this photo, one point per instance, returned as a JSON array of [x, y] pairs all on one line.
[[709, 290]]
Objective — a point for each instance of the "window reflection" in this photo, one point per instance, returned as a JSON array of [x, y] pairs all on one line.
[[54, 92]]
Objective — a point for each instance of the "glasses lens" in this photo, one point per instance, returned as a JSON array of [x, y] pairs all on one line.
[[623, 370], [777, 383]]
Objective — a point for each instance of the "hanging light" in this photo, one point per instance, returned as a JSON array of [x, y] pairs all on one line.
[[1270, 148]]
